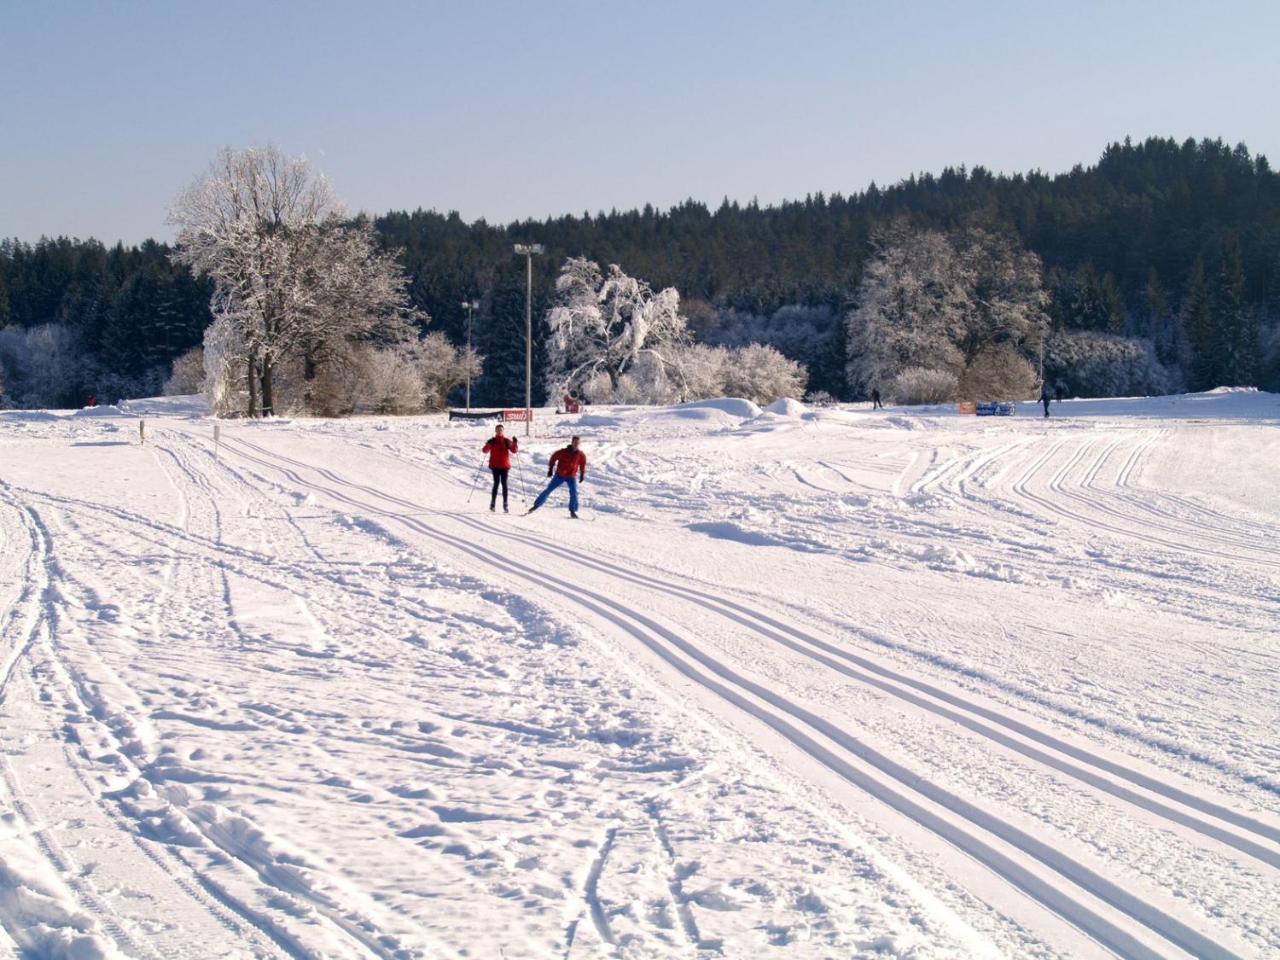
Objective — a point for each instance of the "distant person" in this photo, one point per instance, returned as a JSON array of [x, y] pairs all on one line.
[[91, 401], [1044, 398], [500, 448], [567, 465], [875, 400]]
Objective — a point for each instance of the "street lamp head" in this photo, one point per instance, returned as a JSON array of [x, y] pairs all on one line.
[[528, 249]]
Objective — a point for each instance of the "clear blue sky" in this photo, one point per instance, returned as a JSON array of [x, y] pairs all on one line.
[[513, 110]]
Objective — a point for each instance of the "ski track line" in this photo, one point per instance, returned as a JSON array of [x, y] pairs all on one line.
[[591, 888], [75, 686], [1249, 531], [115, 817], [354, 930], [675, 885], [1010, 852], [901, 685], [1093, 523], [1208, 533], [33, 598], [965, 713], [359, 927], [417, 464]]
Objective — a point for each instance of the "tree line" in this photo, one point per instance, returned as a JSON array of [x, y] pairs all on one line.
[[1162, 260]]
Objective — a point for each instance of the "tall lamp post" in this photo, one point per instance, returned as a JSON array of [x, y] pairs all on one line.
[[471, 306], [528, 251]]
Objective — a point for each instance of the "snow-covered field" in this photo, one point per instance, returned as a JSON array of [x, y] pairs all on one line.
[[799, 684]]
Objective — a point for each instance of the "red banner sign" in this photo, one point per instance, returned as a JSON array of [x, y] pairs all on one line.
[[515, 415]]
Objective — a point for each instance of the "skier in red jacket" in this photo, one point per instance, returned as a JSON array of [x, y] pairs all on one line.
[[500, 448], [569, 465]]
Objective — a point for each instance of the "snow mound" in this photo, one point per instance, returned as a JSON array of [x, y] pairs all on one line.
[[102, 410], [595, 420], [786, 407], [193, 405], [734, 406]]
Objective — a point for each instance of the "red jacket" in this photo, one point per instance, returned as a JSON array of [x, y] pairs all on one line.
[[566, 462], [500, 453]]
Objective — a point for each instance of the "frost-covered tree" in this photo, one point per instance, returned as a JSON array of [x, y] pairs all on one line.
[[603, 325], [964, 305], [290, 276], [910, 308], [1006, 308]]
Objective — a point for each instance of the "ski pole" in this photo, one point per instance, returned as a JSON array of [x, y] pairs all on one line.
[[476, 481], [524, 498]]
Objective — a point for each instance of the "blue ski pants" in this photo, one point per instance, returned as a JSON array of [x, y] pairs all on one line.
[[555, 482]]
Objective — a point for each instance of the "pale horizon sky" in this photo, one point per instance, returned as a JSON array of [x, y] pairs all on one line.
[[507, 111]]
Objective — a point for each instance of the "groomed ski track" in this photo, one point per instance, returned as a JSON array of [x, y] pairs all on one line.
[[1121, 916]]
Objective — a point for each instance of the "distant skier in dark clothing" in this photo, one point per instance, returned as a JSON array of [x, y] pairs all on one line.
[[1044, 398], [569, 465], [500, 448], [875, 400]]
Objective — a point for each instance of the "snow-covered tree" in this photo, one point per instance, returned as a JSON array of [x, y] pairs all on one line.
[[290, 275], [603, 325], [943, 303], [1006, 308], [910, 308]]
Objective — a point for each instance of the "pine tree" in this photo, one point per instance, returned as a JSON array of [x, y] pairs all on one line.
[[1197, 320], [1236, 337]]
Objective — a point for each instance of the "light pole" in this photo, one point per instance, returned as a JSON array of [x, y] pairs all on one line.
[[528, 251], [471, 306]]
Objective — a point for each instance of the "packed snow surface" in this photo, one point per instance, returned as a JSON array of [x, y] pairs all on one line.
[[824, 683]]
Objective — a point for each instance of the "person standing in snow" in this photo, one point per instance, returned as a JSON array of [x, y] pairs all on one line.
[[567, 465], [500, 448], [1044, 398], [875, 399]]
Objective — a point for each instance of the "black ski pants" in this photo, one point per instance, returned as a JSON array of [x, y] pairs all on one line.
[[499, 477]]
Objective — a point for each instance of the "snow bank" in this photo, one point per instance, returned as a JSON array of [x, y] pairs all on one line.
[[734, 406], [786, 407]]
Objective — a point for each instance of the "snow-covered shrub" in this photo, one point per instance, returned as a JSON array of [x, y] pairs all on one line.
[[1089, 364], [441, 366], [819, 398], [390, 381], [761, 373], [999, 374], [187, 374], [919, 385]]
